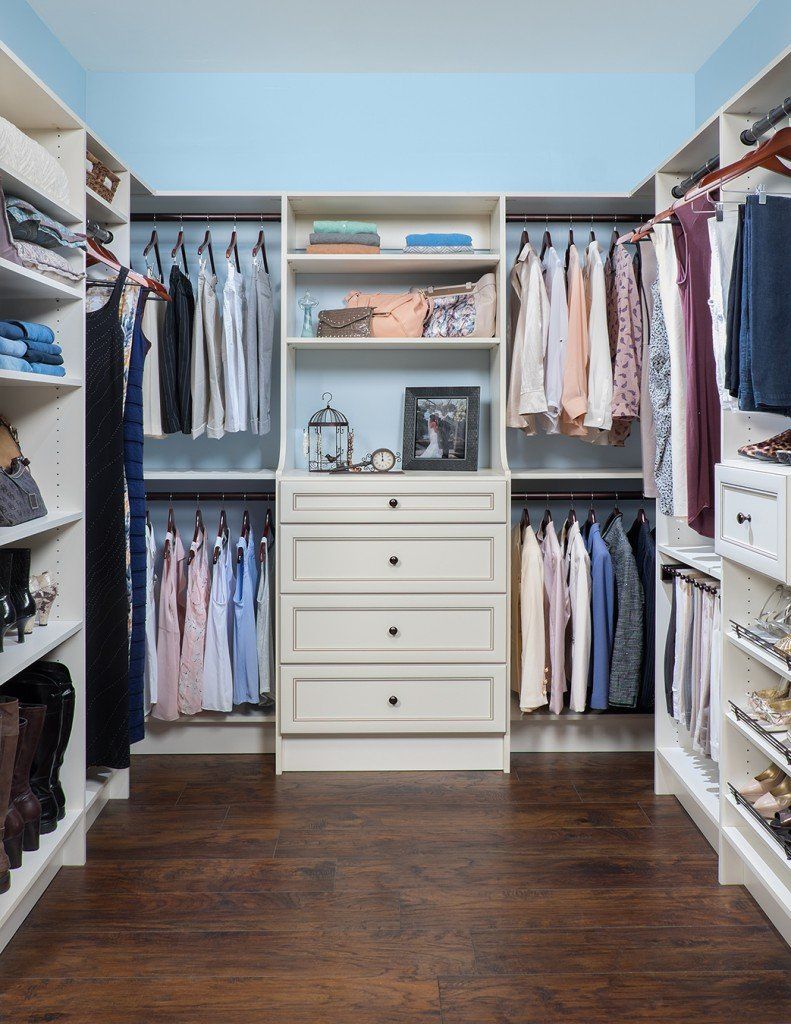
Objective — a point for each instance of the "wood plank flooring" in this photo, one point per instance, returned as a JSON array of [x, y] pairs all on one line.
[[565, 892]]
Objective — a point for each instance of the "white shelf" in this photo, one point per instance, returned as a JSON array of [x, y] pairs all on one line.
[[216, 475], [757, 740], [37, 380], [13, 185], [575, 473], [701, 557], [223, 718], [698, 778], [766, 879], [100, 210], [17, 656], [459, 344], [34, 864], [51, 521], [770, 660], [20, 283], [768, 843], [393, 263]]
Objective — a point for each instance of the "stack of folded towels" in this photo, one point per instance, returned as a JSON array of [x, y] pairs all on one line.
[[339, 236], [30, 348], [439, 242]]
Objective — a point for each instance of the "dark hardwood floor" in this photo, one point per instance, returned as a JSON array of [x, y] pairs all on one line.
[[566, 892]]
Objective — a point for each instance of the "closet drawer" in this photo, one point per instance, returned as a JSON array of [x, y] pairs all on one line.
[[366, 628], [393, 559], [751, 519], [409, 698], [394, 499]]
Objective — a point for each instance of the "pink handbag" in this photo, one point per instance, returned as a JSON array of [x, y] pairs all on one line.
[[394, 316]]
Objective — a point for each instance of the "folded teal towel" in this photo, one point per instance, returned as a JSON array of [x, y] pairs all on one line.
[[345, 227], [439, 238]]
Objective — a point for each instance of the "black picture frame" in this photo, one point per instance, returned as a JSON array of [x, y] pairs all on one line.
[[458, 413]]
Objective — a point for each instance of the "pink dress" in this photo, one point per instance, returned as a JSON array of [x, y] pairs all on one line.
[[190, 695], [171, 624]]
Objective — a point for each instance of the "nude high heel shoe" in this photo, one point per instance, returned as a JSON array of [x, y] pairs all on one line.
[[762, 783], [775, 801]]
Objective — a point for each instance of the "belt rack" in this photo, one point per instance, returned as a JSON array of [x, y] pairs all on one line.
[[671, 572]]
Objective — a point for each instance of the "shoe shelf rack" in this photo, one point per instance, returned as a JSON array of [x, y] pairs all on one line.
[[49, 413]]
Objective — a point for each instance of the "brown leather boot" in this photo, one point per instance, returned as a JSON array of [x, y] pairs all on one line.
[[12, 822], [22, 796]]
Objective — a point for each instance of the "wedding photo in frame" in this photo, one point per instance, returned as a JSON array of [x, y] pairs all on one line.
[[441, 427]]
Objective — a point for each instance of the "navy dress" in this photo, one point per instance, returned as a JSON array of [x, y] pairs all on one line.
[[133, 467]]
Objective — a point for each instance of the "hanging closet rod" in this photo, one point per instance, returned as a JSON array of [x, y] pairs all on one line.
[[210, 496], [760, 127], [680, 190], [580, 495], [579, 218], [201, 218]]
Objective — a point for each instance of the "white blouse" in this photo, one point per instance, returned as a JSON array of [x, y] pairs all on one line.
[[526, 395]]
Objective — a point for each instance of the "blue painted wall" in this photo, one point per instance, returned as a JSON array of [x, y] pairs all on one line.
[[764, 33], [25, 33], [447, 132]]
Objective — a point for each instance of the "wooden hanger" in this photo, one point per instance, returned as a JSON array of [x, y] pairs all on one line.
[[260, 246], [97, 253], [233, 247], [153, 243], [613, 238], [222, 531], [170, 530], [642, 517], [524, 238], [612, 516], [570, 243], [524, 522], [199, 528], [180, 245], [269, 531], [206, 243], [546, 241], [591, 514], [767, 155], [245, 535], [592, 236], [547, 519]]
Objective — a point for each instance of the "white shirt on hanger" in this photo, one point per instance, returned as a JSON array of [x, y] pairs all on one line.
[[555, 281], [599, 414], [578, 573], [217, 672], [526, 394], [532, 668], [233, 352]]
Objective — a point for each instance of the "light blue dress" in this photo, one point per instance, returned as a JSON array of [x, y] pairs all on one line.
[[245, 648]]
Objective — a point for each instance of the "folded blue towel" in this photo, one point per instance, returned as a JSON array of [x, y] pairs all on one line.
[[43, 346], [49, 371], [43, 357], [19, 330], [439, 238], [12, 363], [13, 348]]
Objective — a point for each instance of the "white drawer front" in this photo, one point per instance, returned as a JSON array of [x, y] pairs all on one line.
[[387, 559], [393, 499], [355, 699], [751, 519], [366, 628]]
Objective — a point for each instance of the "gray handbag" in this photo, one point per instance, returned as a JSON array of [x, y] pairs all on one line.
[[345, 323], [20, 498]]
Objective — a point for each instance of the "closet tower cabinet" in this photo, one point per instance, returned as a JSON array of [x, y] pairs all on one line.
[[392, 617]]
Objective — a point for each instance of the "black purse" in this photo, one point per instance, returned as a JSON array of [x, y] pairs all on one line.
[[20, 497]]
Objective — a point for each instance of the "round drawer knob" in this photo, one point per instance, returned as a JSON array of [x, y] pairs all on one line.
[[393, 503], [742, 518], [393, 701], [393, 631], [394, 559]]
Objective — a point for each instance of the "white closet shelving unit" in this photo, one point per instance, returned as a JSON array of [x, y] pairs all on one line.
[[49, 413]]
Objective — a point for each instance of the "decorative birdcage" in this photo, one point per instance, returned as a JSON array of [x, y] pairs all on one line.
[[328, 440]]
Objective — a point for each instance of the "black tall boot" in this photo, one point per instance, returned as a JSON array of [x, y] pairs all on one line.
[[31, 690], [21, 598], [7, 612], [57, 673]]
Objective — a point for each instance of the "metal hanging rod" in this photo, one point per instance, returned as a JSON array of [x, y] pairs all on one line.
[[578, 218], [201, 218], [760, 127], [581, 496], [210, 496], [680, 190]]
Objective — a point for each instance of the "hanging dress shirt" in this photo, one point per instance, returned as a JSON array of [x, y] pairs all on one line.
[[208, 413], [190, 693], [150, 676], [175, 355], [600, 382], [627, 652], [526, 395], [217, 672], [516, 628], [659, 382], [719, 332], [245, 649], [628, 362], [603, 618], [578, 573], [557, 611], [575, 369], [532, 686], [234, 369], [674, 325], [555, 282], [645, 272], [171, 625], [259, 326], [153, 326], [264, 622]]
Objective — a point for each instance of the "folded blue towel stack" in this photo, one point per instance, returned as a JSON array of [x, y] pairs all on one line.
[[30, 348], [434, 242]]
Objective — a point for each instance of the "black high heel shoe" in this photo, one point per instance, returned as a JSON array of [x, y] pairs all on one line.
[[7, 611], [21, 598]]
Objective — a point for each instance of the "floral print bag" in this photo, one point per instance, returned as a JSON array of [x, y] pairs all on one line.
[[466, 311]]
